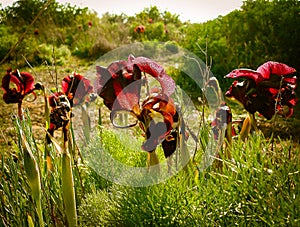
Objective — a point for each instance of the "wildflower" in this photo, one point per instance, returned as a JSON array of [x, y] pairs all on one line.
[[76, 87], [24, 85], [119, 85], [268, 90], [139, 29], [75, 91], [222, 120]]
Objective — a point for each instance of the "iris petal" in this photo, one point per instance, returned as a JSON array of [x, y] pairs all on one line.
[[274, 68]]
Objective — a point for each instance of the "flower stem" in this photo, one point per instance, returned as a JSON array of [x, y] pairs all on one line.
[[20, 111]]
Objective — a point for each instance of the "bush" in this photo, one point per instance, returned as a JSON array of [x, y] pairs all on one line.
[[7, 40], [45, 52]]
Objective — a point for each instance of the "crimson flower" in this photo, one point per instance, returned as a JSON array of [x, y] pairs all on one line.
[[222, 120], [139, 29], [267, 90], [75, 91], [157, 118], [23, 85], [76, 87], [60, 112], [119, 85]]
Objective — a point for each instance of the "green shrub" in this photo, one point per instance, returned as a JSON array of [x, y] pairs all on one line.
[[7, 40], [45, 52]]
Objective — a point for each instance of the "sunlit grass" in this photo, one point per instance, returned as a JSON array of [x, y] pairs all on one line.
[[257, 187]]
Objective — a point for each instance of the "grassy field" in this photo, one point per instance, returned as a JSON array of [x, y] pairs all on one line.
[[258, 186]]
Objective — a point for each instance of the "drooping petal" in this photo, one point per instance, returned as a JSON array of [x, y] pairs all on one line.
[[238, 91], [274, 68], [154, 69], [169, 145], [27, 81]]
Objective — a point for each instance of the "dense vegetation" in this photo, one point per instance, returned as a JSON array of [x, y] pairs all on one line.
[[257, 186], [262, 30]]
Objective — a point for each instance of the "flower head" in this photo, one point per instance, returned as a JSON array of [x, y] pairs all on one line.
[[139, 29], [60, 112], [24, 85], [76, 87], [119, 85], [269, 89], [222, 120]]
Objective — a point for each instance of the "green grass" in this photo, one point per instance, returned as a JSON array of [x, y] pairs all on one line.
[[259, 186]]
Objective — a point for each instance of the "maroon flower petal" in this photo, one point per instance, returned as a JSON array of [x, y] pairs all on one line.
[[27, 81], [245, 73], [274, 68], [24, 84], [104, 86], [76, 87], [154, 69]]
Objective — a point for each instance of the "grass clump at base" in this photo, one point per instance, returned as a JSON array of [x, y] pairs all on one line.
[[259, 186]]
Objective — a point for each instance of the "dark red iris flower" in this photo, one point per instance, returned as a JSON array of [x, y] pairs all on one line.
[[23, 85], [75, 91], [60, 112], [119, 85], [222, 120], [77, 88], [267, 90], [158, 119], [139, 29]]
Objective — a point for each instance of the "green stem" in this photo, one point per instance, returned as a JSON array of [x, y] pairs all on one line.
[[86, 123]]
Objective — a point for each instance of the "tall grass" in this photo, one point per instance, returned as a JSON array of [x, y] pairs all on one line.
[[258, 187]]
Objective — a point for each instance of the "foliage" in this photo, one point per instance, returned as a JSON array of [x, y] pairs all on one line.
[[260, 31], [7, 39], [258, 185]]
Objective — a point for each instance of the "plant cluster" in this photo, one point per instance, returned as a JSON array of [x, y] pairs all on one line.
[[50, 168]]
